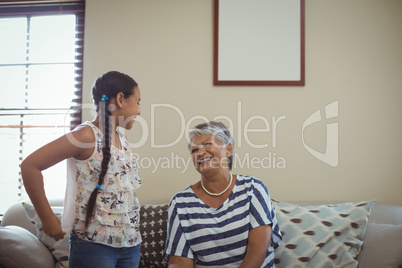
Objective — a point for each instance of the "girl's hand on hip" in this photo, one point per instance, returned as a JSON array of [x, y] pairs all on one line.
[[52, 227]]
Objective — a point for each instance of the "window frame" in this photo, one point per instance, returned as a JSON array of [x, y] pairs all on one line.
[[37, 8]]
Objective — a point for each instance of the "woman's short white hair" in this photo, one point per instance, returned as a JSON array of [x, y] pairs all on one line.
[[215, 129]]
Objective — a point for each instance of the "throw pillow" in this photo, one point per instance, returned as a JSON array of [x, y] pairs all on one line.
[[321, 236], [59, 249], [382, 246], [19, 248], [153, 230]]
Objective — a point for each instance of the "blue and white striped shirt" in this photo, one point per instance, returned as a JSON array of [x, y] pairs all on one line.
[[217, 237]]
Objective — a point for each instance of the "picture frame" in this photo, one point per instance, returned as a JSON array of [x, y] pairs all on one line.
[[259, 42]]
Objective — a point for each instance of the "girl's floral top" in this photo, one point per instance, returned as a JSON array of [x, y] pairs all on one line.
[[117, 212]]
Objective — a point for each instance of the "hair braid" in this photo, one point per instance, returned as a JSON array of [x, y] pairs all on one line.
[[108, 85], [105, 117]]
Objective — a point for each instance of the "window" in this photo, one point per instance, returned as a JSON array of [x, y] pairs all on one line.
[[41, 52]]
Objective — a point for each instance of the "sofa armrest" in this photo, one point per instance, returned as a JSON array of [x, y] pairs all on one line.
[[15, 215], [386, 214], [382, 246], [20, 248]]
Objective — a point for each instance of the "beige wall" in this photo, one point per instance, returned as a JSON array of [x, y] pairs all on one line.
[[353, 56]]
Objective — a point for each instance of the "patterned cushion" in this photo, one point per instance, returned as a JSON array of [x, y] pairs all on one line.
[[59, 249], [153, 230], [321, 236]]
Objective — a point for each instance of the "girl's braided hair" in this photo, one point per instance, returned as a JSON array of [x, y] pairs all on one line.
[[106, 87]]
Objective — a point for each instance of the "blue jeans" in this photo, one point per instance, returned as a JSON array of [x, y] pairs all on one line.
[[88, 254]]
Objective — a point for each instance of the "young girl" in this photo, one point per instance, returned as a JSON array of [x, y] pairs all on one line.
[[101, 210]]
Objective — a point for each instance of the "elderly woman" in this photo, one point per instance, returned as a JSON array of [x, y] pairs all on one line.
[[224, 220]]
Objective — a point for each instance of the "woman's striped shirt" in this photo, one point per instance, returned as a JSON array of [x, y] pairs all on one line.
[[217, 237]]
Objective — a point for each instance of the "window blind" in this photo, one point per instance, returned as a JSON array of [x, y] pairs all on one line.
[[41, 65]]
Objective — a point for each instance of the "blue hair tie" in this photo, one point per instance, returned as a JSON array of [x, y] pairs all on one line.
[[104, 98], [99, 187]]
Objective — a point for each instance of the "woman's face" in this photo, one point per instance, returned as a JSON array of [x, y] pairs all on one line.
[[209, 153], [130, 109]]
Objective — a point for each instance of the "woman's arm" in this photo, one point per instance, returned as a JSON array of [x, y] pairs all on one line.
[[180, 262], [43, 158], [259, 239]]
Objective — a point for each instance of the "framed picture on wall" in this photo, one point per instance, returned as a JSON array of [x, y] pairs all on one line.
[[259, 42]]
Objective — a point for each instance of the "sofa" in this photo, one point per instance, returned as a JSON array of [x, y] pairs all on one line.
[[315, 234]]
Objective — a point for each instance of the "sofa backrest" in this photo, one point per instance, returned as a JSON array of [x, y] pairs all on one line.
[[380, 213]]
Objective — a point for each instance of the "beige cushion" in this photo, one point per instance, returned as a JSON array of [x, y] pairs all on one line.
[[21, 249], [15, 215], [59, 249], [382, 246]]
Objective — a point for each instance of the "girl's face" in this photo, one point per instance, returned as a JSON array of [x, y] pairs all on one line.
[[208, 153], [130, 109]]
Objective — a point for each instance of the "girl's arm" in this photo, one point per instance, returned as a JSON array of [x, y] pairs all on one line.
[[259, 239], [180, 262], [74, 144]]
